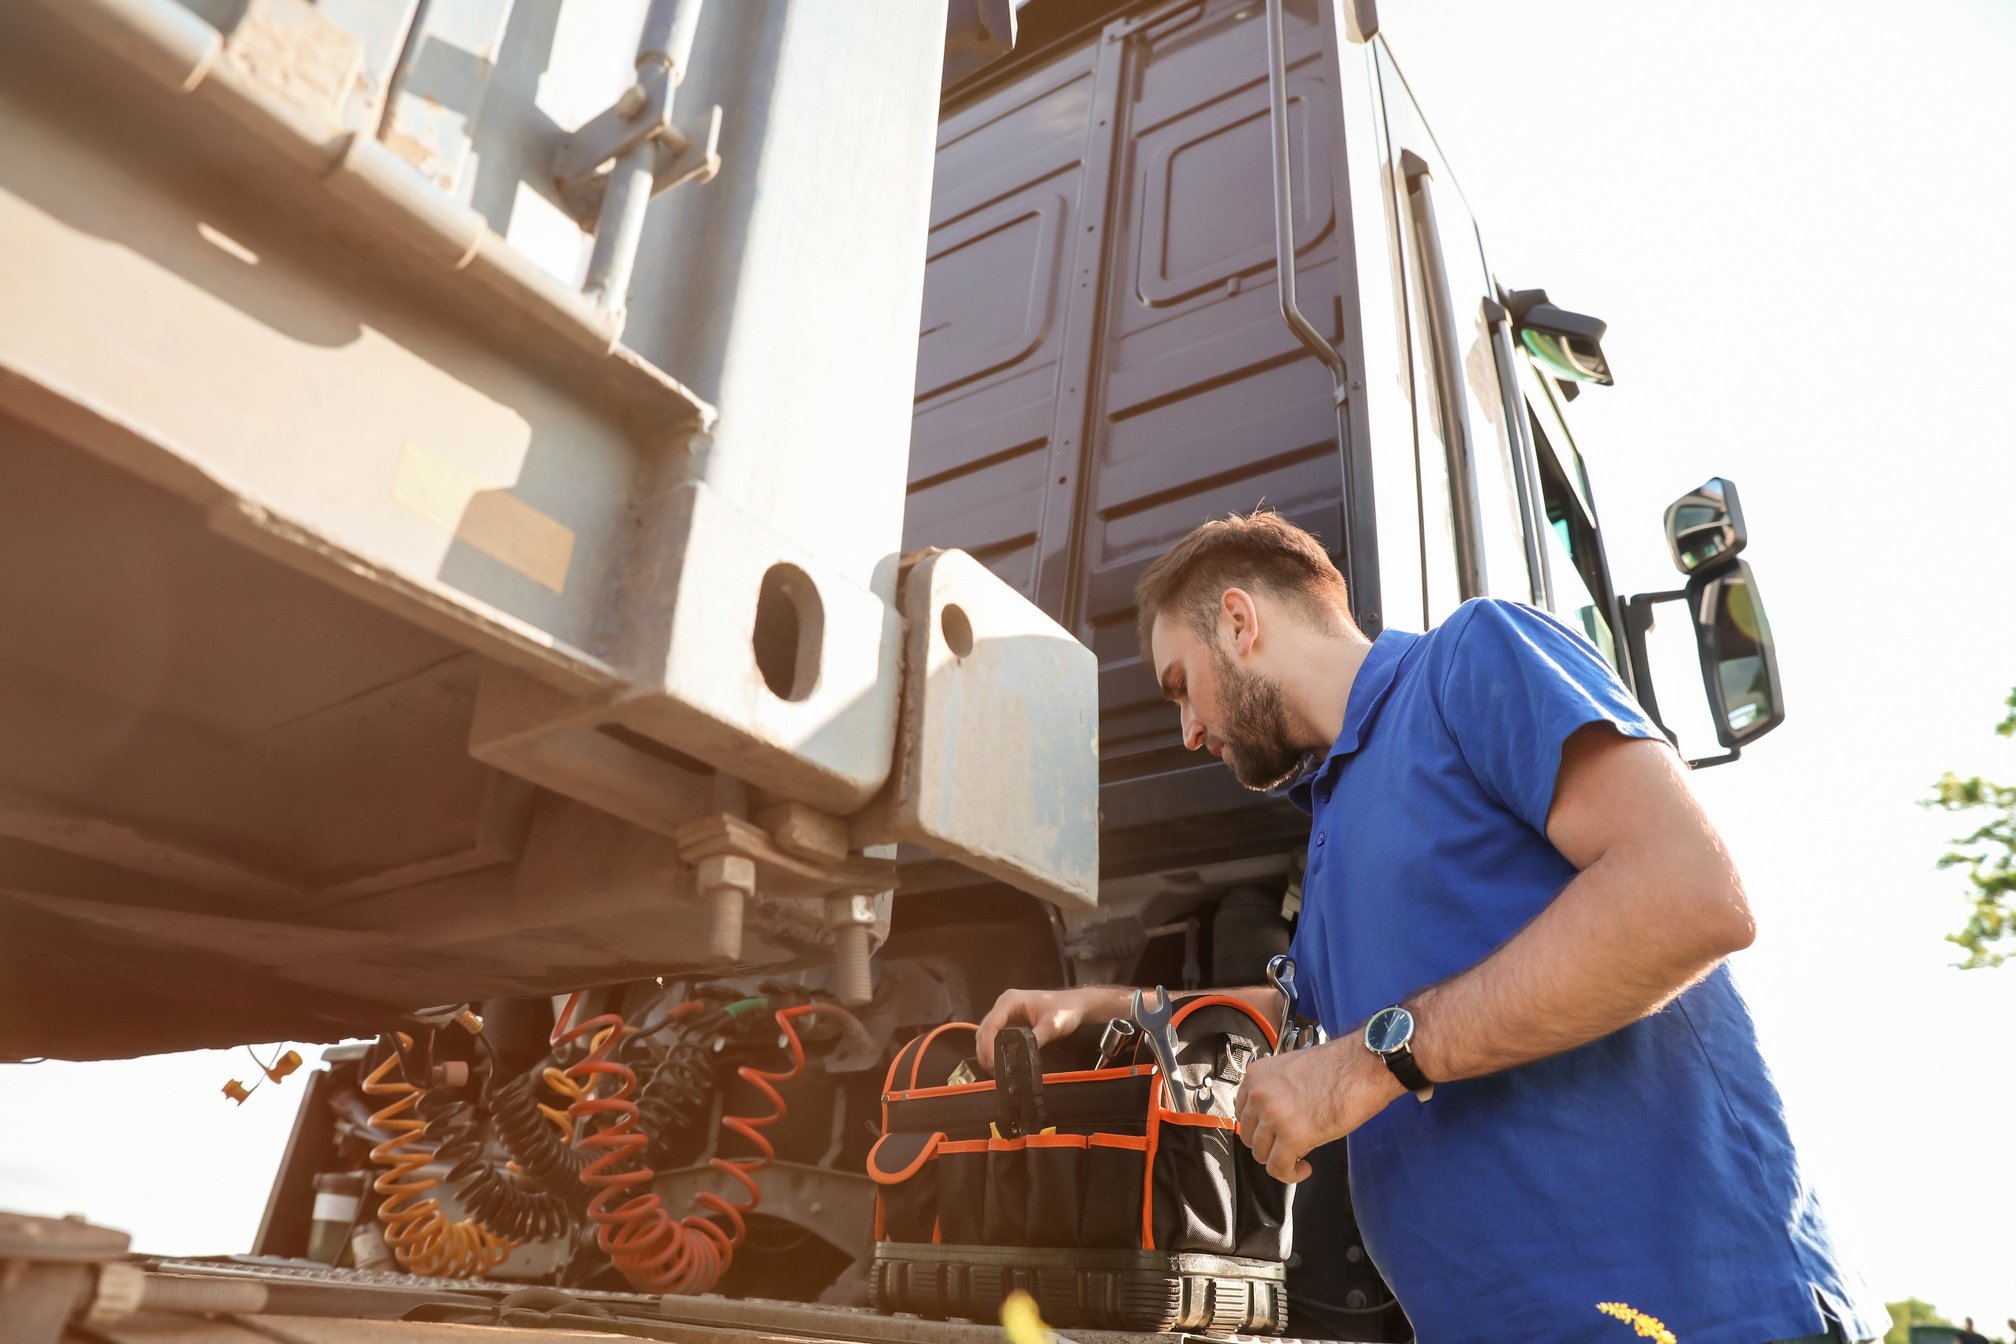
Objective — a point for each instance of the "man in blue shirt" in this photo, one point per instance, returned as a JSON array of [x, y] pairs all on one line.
[[1505, 850]]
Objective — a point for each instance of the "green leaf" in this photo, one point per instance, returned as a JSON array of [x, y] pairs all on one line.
[[1988, 856]]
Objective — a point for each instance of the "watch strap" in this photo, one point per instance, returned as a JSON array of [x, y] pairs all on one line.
[[1404, 1067]]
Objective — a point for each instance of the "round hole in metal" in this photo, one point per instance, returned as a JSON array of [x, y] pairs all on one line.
[[958, 630], [790, 630]]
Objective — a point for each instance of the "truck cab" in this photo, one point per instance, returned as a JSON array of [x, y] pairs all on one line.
[[1111, 352]]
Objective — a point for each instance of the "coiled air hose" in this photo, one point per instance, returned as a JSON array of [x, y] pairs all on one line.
[[510, 1204], [423, 1238], [673, 1104], [652, 1250], [541, 1152]]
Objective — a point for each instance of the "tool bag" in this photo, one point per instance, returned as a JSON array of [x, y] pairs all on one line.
[[1081, 1186]]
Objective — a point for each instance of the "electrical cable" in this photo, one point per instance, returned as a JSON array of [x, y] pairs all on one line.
[[508, 1203], [674, 1102], [651, 1249], [677, 1013], [546, 1158]]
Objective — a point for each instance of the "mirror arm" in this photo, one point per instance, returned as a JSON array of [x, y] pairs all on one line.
[[1637, 623]]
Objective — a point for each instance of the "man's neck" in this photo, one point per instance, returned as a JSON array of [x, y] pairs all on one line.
[[1318, 690]]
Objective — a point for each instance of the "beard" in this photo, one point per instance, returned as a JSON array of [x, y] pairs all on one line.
[[1253, 732]]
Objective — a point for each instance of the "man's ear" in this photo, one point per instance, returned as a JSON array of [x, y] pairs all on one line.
[[1239, 620]]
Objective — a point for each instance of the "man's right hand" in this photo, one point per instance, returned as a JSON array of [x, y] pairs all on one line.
[[1051, 1013]]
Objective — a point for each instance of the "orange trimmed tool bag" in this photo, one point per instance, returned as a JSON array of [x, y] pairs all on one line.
[[1081, 1186]]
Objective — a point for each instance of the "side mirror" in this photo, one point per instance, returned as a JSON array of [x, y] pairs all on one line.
[[1739, 661], [1568, 345], [1704, 528]]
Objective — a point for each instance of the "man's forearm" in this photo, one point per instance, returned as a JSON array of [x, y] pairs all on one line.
[[1262, 999], [1056, 1013], [1618, 943]]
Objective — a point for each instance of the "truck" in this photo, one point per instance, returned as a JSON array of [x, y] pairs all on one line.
[[557, 539]]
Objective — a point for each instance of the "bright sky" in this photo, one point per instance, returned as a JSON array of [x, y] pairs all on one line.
[[1796, 218]]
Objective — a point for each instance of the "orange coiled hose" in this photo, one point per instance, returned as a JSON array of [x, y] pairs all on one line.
[[570, 1088], [424, 1239], [654, 1251]]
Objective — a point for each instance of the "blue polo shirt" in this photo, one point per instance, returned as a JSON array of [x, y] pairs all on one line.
[[1650, 1167]]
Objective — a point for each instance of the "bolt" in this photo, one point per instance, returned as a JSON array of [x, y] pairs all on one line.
[[852, 919], [469, 1022], [724, 925], [727, 880], [815, 1207], [850, 956]]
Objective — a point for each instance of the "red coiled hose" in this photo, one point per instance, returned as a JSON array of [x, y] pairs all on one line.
[[654, 1251]]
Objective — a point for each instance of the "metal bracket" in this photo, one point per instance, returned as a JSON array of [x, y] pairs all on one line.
[[781, 875], [689, 151], [1638, 624]]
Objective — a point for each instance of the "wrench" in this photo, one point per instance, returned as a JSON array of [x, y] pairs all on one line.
[[1161, 1038], [1281, 975], [1118, 1035]]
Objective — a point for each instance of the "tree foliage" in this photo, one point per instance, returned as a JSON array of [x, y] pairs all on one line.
[[1989, 857], [1910, 1312]]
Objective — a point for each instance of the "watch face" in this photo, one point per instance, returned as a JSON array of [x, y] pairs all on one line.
[[1389, 1029]]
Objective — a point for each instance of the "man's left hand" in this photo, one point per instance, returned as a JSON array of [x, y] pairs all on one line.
[[1292, 1103]]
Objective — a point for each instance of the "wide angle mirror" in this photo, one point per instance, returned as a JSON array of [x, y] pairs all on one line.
[[1567, 345], [1704, 527]]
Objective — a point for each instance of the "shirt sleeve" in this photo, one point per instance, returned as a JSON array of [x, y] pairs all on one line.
[[1517, 683]]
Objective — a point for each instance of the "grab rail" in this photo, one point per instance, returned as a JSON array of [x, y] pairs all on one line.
[[1284, 204]]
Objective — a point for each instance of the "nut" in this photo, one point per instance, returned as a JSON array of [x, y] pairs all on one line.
[[854, 908]]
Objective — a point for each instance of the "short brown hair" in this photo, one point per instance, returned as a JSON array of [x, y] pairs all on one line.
[[1259, 550]]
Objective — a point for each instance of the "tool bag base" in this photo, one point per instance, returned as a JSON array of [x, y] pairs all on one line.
[[1150, 1291], [1115, 1208]]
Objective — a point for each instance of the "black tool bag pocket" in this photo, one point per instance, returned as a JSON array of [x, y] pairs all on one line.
[[1055, 1165], [962, 1191], [1116, 1186], [1195, 1184], [904, 1168], [1266, 1208], [1005, 1220]]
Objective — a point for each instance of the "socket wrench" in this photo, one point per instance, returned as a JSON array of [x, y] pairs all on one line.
[[1119, 1034]]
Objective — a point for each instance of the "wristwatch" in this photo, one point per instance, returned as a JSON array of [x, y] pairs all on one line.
[[1390, 1035]]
